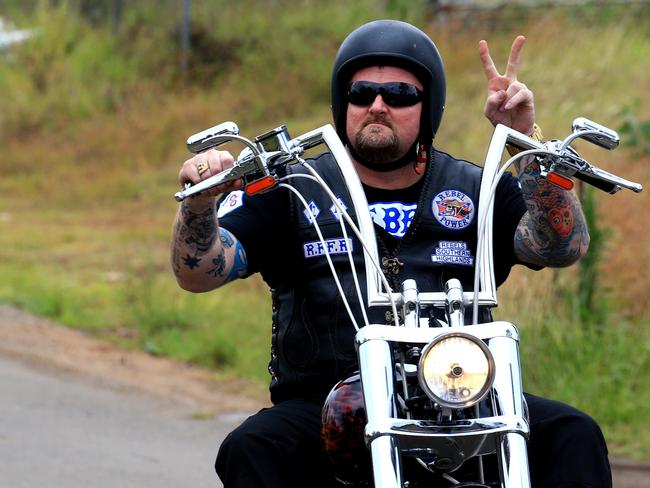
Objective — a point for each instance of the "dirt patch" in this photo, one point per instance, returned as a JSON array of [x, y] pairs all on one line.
[[630, 474], [45, 344]]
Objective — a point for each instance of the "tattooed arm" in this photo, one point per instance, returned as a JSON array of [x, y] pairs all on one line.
[[203, 256], [553, 232]]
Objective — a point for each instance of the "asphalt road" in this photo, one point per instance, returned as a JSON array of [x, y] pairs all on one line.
[[61, 430]]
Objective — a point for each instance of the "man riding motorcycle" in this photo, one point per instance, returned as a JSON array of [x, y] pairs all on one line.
[[388, 96]]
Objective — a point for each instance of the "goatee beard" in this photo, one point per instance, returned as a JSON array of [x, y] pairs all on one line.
[[375, 146]]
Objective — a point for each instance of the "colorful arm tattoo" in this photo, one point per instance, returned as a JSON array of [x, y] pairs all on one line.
[[553, 232], [239, 260]]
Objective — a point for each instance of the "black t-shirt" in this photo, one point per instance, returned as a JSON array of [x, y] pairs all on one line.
[[386, 205]]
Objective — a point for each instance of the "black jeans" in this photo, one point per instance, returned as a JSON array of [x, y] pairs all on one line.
[[280, 447]]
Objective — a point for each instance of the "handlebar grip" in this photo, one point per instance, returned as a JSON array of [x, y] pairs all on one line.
[[606, 186]]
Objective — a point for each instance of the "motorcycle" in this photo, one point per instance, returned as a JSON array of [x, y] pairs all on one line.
[[434, 400]]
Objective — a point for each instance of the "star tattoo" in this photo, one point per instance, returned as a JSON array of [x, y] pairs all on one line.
[[191, 261]]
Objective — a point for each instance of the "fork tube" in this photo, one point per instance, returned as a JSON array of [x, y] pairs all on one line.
[[386, 465], [512, 453], [513, 461], [507, 382], [379, 397]]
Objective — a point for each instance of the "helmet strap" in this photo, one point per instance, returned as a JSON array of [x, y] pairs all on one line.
[[392, 166]]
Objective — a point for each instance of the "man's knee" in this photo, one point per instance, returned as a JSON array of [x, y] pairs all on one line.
[[240, 445], [585, 427], [238, 440], [574, 427], [279, 446], [567, 447]]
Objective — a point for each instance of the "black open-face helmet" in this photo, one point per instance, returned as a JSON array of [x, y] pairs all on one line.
[[391, 43]]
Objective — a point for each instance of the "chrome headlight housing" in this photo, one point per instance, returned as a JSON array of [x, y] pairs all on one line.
[[456, 370]]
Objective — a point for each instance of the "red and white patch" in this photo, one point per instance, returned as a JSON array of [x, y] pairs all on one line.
[[453, 209]]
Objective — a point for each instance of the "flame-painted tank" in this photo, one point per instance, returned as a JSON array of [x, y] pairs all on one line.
[[344, 419]]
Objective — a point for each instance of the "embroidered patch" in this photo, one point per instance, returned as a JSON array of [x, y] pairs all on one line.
[[335, 210], [314, 210], [453, 252], [337, 245], [394, 217], [232, 201], [453, 209]]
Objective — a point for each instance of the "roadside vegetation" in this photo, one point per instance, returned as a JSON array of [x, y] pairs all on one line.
[[93, 119]]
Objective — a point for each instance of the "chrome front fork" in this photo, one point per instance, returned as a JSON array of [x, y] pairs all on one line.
[[390, 437], [378, 383]]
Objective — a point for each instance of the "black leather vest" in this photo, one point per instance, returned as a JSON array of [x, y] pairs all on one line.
[[312, 335]]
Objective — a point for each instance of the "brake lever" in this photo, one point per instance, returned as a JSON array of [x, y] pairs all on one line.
[[567, 163], [595, 133], [212, 137], [252, 169]]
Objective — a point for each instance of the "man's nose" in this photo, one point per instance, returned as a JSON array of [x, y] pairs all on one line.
[[378, 105]]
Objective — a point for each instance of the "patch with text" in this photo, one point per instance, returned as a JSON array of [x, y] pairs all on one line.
[[393, 217], [233, 200], [453, 252], [338, 245], [453, 209], [313, 208], [336, 212]]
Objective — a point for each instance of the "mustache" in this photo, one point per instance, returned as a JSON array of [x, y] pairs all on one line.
[[376, 119]]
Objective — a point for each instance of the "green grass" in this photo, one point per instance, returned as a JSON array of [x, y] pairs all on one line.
[[228, 332], [601, 371], [92, 134], [143, 308], [598, 366]]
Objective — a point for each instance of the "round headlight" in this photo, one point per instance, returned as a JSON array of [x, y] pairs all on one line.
[[456, 370]]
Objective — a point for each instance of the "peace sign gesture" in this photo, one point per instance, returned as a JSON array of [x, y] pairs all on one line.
[[509, 102]]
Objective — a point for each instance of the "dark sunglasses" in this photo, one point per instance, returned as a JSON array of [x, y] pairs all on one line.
[[394, 93]]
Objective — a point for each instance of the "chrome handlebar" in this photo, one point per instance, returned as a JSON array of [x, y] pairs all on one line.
[[566, 162], [255, 163], [261, 159], [263, 162]]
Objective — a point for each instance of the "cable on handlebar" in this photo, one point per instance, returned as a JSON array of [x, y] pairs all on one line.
[[327, 254], [340, 208], [483, 222], [344, 215]]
